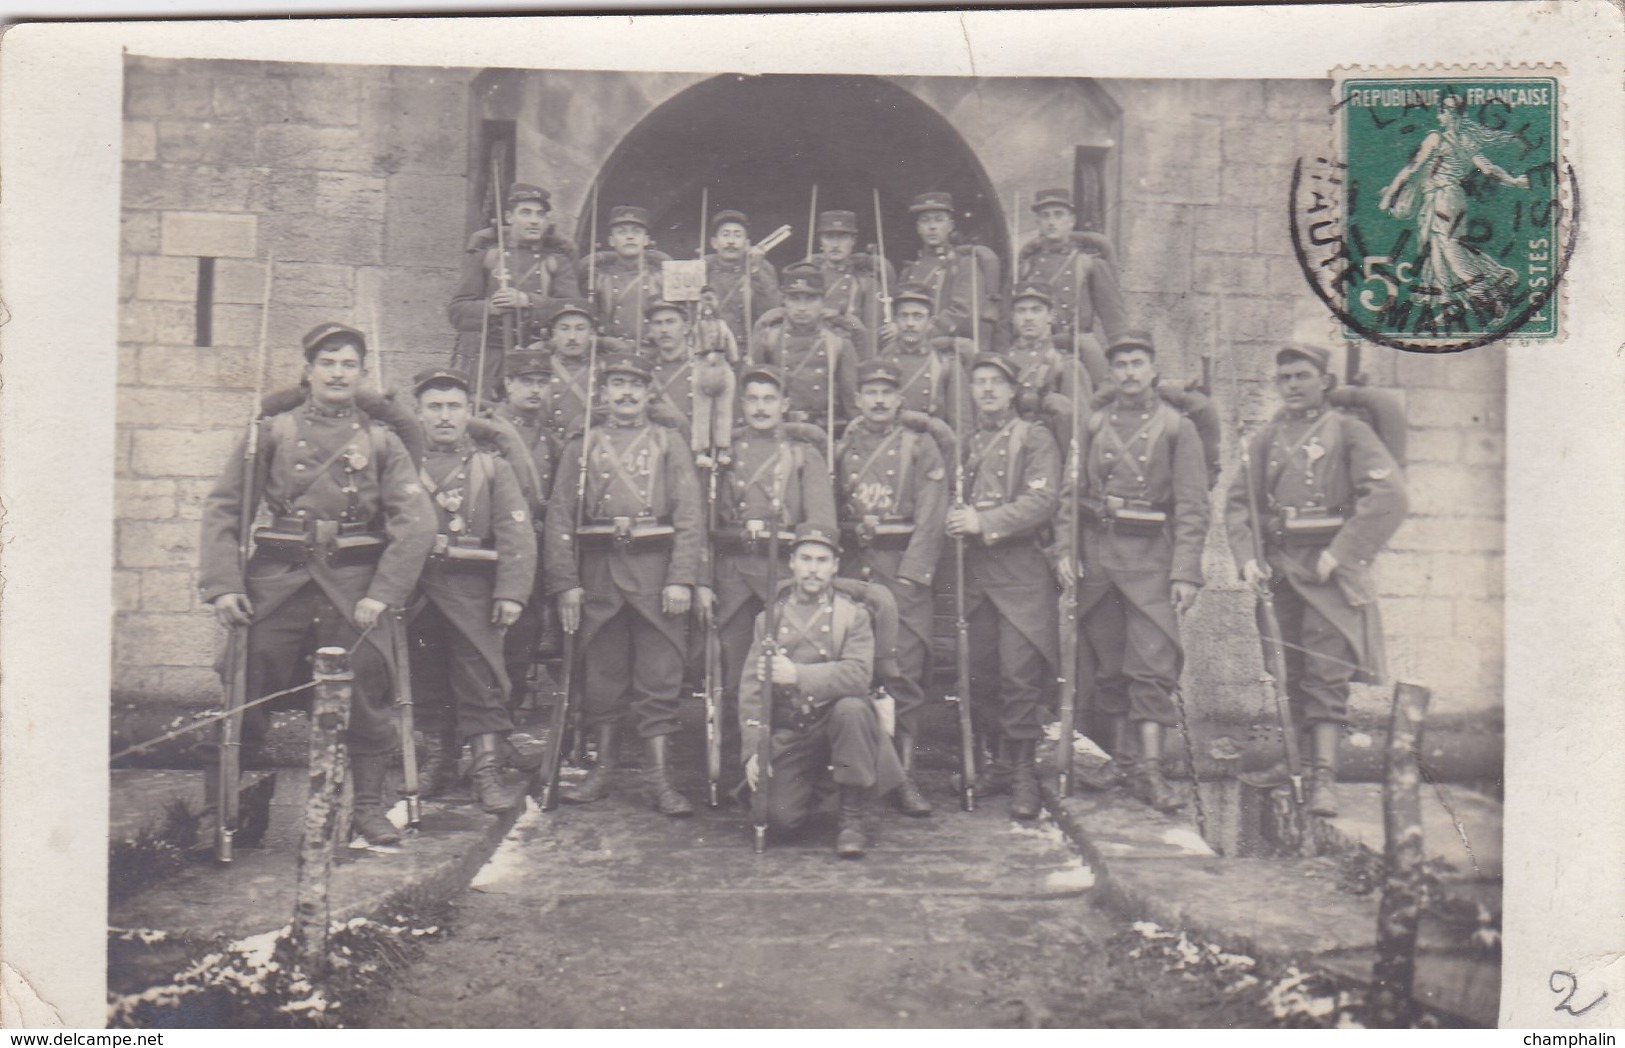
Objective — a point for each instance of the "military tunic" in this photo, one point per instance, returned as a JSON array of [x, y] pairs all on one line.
[[826, 720], [1137, 449], [765, 468], [806, 357], [623, 291], [566, 400], [317, 466], [459, 675], [894, 477], [1012, 477], [1086, 291], [947, 272], [1320, 462], [632, 650], [543, 271], [852, 289], [930, 383], [1050, 385], [727, 280], [523, 636]]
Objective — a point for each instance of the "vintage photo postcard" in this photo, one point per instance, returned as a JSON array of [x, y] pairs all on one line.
[[1032, 519]]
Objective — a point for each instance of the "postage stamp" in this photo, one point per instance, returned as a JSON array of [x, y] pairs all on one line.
[[1444, 219]]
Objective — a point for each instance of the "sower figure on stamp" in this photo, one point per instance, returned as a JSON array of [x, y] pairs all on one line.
[[893, 498], [925, 361], [1012, 470], [771, 481], [814, 676], [622, 281], [1052, 385], [1331, 497], [852, 280], [817, 359], [1080, 270], [732, 256], [641, 545], [516, 279], [944, 267], [477, 581], [1134, 552], [350, 528]]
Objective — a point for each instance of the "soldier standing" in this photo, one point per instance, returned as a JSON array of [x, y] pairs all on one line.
[[893, 498], [852, 279], [1051, 386], [625, 580], [770, 481], [477, 581], [813, 678], [350, 528], [926, 362], [626, 278], [1012, 476], [1331, 497], [1078, 267], [563, 403], [537, 266], [945, 267], [817, 361], [1137, 563], [725, 268], [693, 374]]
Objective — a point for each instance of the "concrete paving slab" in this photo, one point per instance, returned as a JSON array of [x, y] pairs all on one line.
[[1461, 827]]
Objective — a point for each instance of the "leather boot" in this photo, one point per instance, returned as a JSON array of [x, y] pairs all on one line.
[[438, 774], [485, 775], [1120, 768], [368, 818], [996, 773], [668, 800], [910, 801], [595, 787], [1024, 802], [1323, 780], [850, 840], [1149, 785], [512, 758]]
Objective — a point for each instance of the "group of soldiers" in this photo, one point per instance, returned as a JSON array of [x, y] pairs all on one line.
[[766, 484]]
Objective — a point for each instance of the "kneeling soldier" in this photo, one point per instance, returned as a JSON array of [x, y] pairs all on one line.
[[1137, 564], [812, 679], [474, 587], [625, 579]]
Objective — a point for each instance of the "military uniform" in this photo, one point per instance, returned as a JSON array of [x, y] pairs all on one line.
[[542, 270], [812, 360], [826, 720], [726, 278], [947, 270], [680, 383], [1081, 271], [852, 286], [621, 289]]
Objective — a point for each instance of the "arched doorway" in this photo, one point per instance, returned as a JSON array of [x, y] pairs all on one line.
[[760, 143]]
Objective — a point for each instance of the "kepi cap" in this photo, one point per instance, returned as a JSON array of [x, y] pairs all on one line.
[[657, 306], [932, 202], [566, 306], [526, 362], [1004, 364], [1132, 339], [879, 371], [1319, 356], [1053, 198], [520, 192], [453, 375], [914, 293], [626, 364], [329, 332], [623, 213], [801, 279], [729, 215], [763, 373], [838, 222], [1033, 289], [812, 532]]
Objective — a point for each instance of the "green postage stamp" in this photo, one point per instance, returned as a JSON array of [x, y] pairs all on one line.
[[1455, 210]]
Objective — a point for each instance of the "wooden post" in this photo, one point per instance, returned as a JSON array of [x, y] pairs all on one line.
[[1391, 1003], [330, 715]]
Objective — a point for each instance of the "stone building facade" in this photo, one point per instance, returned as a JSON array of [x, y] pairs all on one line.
[[363, 184]]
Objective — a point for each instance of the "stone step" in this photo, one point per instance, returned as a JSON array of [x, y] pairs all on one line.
[[158, 811]]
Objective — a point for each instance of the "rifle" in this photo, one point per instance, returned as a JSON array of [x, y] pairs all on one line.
[[403, 698], [770, 646], [510, 317], [1068, 676], [592, 251], [1270, 631], [236, 696], [560, 719], [812, 224], [1015, 249], [967, 727], [713, 652]]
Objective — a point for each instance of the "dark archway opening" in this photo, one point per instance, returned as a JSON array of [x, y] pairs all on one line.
[[760, 143]]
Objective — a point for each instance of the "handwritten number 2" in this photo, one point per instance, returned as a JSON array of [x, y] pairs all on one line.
[[1555, 982]]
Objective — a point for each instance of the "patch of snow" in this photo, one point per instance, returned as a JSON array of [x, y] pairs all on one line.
[[257, 949], [1188, 839], [1045, 830], [1079, 876], [506, 860], [397, 814], [1360, 740]]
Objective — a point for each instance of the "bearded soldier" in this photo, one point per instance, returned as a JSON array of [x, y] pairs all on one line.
[[1331, 497], [852, 279], [625, 580], [893, 499], [725, 269], [1078, 268], [538, 265], [477, 581], [1134, 551], [812, 678], [1012, 475], [817, 360], [350, 528], [944, 267], [626, 278]]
